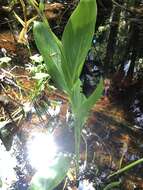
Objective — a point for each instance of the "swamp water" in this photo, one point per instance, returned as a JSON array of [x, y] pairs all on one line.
[[111, 140], [111, 143]]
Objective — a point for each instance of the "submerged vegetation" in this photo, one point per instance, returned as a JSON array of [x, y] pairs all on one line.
[[71, 110]]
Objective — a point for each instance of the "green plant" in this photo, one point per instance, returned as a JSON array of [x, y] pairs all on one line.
[[112, 185], [120, 171], [64, 59], [127, 167]]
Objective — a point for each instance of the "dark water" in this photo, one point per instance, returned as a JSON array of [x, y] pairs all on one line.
[[110, 139]]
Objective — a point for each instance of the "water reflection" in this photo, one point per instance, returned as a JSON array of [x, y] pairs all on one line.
[[7, 164], [41, 150]]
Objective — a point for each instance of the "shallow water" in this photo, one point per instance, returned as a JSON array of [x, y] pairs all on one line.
[[111, 143], [113, 140]]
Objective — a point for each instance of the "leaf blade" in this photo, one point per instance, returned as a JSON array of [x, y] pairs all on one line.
[[77, 36], [48, 47], [87, 104], [58, 171], [94, 97]]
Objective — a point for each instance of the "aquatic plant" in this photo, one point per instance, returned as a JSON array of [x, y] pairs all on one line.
[[64, 61]]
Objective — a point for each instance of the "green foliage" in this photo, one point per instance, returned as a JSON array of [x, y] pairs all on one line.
[[41, 5], [77, 38], [48, 47], [38, 88], [52, 176], [112, 185], [64, 61], [127, 167]]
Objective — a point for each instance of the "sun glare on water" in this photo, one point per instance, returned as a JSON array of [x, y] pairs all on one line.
[[41, 151]]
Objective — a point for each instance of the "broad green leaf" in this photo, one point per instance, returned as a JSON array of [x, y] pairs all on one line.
[[53, 175], [48, 46], [77, 37]]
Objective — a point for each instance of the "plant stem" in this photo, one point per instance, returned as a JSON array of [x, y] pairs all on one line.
[[111, 185], [127, 167], [77, 146]]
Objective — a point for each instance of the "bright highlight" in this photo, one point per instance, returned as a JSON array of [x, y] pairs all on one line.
[[41, 151]]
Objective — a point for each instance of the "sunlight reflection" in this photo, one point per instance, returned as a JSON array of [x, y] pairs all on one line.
[[41, 151], [7, 165]]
